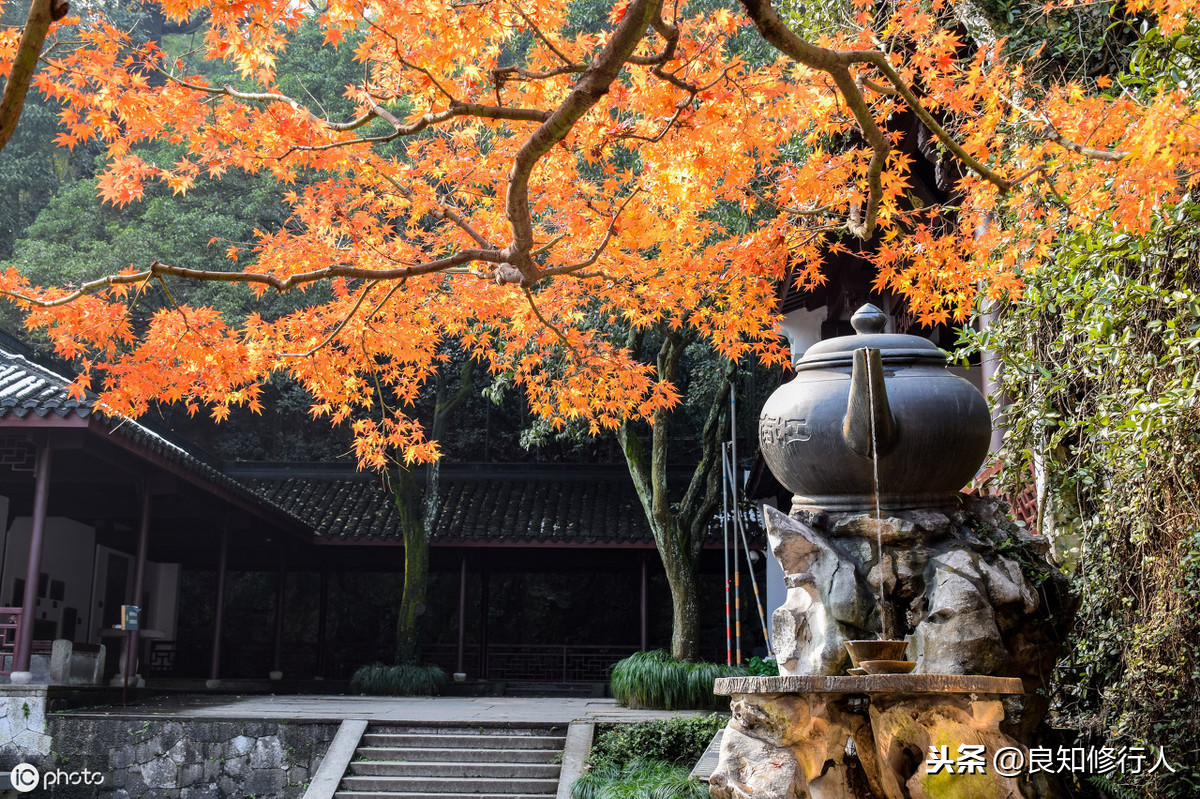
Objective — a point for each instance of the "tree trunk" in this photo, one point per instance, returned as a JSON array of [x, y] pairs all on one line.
[[416, 566], [685, 603], [417, 510], [679, 530]]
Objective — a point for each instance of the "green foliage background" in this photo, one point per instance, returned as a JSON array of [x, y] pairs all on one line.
[[1101, 363]]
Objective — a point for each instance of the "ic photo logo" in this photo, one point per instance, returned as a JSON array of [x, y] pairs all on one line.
[[25, 778]]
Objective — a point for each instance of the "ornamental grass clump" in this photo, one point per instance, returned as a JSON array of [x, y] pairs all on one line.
[[639, 779], [408, 679], [657, 680]]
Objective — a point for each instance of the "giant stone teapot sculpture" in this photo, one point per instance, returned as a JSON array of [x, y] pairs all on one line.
[[930, 429], [875, 438]]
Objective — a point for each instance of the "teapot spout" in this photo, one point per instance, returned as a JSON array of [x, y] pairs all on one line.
[[868, 413]]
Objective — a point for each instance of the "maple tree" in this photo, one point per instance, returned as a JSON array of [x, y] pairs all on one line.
[[533, 179]]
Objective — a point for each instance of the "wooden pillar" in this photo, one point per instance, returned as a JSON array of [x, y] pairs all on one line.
[[214, 672], [484, 610], [462, 615], [33, 569], [645, 610], [322, 605], [133, 638], [280, 591]]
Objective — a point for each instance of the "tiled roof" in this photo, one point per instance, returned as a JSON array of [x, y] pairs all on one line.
[[28, 388], [495, 503]]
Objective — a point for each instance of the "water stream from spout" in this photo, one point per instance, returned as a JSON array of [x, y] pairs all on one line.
[[883, 624]]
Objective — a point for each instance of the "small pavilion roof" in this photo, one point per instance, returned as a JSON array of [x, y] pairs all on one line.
[[34, 395]]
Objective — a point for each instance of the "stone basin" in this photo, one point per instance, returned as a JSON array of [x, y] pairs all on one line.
[[843, 737]]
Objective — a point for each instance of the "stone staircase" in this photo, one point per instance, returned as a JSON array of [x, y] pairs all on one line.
[[455, 762]]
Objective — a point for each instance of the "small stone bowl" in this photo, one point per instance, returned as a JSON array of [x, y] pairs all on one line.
[[857, 672], [888, 666], [875, 650]]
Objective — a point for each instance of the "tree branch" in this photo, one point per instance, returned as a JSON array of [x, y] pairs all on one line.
[[279, 284], [42, 13], [571, 65], [340, 325], [591, 86], [608, 232]]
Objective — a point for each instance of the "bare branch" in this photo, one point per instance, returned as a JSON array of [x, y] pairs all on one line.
[[455, 109], [824, 209], [424, 72], [880, 61], [500, 75], [545, 39], [546, 323]]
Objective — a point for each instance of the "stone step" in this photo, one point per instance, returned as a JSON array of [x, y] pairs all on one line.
[[497, 770], [458, 754], [449, 785], [408, 795], [461, 740], [491, 728]]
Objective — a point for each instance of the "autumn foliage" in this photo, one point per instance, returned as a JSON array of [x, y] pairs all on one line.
[[532, 185]]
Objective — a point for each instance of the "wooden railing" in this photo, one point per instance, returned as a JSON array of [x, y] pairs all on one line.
[[525, 662], [10, 623]]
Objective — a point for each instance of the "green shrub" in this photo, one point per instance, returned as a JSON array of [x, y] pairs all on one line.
[[406, 680], [758, 667], [677, 741], [657, 680], [639, 779]]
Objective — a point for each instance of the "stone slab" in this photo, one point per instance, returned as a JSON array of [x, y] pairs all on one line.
[[341, 751], [870, 684], [576, 747], [469, 710]]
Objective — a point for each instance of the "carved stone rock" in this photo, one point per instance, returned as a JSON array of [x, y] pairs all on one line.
[[864, 738], [962, 586]]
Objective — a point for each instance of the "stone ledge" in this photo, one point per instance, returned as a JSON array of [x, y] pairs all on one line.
[[870, 684]]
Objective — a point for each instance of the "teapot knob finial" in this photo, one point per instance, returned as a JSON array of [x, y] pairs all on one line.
[[868, 319]]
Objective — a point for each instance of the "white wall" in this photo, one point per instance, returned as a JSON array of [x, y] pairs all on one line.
[[68, 551], [803, 329], [70, 554]]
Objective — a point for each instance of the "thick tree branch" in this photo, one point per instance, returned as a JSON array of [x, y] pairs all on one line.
[[837, 65], [592, 85], [42, 13], [279, 284]]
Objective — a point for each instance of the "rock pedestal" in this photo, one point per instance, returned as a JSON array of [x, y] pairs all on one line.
[[972, 593], [866, 738], [984, 613]]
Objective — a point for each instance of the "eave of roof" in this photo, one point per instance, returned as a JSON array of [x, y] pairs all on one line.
[[34, 395]]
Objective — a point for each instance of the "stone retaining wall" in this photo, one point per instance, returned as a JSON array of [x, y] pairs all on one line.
[[183, 759]]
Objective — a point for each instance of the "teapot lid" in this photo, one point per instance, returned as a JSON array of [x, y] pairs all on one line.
[[868, 322]]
